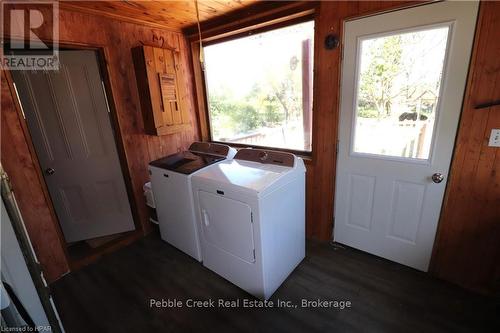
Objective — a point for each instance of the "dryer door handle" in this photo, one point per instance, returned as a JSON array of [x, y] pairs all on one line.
[[205, 217]]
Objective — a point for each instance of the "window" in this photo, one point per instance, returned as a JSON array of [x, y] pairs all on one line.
[[398, 92], [260, 88]]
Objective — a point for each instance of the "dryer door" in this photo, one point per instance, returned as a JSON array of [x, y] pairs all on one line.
[[227, 225]]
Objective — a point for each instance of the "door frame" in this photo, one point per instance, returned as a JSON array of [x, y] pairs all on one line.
[[102, 61], [432, 268]]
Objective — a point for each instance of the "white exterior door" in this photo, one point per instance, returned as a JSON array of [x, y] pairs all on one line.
[[403, 81]]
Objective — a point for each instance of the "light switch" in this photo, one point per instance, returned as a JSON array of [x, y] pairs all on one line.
[[494, 138]]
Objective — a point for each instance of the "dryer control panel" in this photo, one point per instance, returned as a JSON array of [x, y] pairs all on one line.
[[266, 157]]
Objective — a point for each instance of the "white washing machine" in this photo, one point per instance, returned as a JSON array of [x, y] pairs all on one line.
[[171, 184], [251, 217]]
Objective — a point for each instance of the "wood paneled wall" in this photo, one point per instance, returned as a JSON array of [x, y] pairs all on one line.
[[115, 39], [329, 18], [467, 248], [321, 169]]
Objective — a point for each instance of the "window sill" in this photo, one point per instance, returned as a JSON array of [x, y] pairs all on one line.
[[305, 155]]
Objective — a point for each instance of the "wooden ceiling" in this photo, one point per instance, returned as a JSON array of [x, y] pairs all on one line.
[[170, 14]]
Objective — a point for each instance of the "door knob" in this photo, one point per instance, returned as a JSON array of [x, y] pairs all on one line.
[[50, 171], [437, 178]]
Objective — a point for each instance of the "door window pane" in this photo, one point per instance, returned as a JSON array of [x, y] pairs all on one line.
[[398, 91], [260, 88]]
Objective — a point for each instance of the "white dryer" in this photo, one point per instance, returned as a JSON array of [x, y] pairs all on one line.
[[171, 184], [251, 217]]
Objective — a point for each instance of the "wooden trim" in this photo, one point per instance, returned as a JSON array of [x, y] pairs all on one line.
[[196, 97], [261, 13], [280, 18], [377, 9], [307, 91], [201, 93], [321, 188], [260, 28]]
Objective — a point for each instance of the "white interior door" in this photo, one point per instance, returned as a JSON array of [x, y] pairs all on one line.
[[68, 119], [403, 80]]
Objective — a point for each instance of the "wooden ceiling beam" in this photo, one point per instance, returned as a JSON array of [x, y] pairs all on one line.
[[251, 16]]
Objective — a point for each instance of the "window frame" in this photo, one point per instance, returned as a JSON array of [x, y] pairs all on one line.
[[246, 31], [414, 160]]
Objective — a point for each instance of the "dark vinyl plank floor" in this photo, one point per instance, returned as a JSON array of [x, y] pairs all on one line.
[[113, 295]]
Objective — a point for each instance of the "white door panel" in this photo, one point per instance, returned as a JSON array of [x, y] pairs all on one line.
[[403, 80]]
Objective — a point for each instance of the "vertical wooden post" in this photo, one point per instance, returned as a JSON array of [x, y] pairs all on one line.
[[307, 92]]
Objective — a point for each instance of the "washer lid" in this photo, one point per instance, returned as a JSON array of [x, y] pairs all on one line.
[[250, 176], [186, 162]]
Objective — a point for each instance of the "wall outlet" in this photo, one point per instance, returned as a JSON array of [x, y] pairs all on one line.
[[494, 138]]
